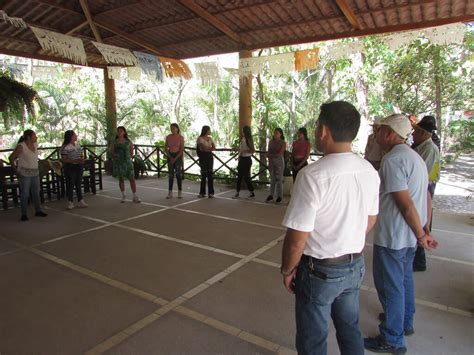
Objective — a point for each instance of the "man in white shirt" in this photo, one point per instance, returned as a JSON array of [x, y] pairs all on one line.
[[334, 205]]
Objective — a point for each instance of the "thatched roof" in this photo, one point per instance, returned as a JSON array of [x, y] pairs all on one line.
[[192, 28]]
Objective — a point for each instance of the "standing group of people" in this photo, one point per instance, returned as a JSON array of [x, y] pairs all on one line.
[[335, 203]]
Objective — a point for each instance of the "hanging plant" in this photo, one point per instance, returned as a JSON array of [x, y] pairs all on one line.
[[15, 96]]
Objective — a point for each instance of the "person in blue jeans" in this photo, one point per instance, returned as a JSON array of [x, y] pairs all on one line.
[[334, 204], [24, 161], [403, 223]]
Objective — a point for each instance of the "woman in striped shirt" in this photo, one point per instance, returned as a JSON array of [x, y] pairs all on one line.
[[71, 155]]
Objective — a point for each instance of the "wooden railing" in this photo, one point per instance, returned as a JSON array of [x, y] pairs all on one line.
[[152, 158]]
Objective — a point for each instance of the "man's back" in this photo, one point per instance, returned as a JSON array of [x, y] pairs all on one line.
[[332, 200]]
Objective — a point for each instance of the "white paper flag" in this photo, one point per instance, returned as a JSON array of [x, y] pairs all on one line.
[[281, 63], [208, 72], [114, 73], [15, 21], [134, 73], [116, 55], [63, 45]]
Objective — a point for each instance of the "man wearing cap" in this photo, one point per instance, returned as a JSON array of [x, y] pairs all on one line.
[[401, 225], [427, 149], [333, 206]]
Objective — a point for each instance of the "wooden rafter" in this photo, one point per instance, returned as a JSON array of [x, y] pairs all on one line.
[[109, 10], [214, 21], [77, 28], [62, 6], [349, 14], [87, 13], [19, 53], [128, 36]]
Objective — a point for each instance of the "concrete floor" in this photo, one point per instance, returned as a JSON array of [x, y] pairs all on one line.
[[194, 276]]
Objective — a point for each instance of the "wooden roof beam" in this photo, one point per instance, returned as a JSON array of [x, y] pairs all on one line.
[[87, 13], [62, 6], [77, 28], [109, 10], [128, 36], [349, 14], [211, 19]]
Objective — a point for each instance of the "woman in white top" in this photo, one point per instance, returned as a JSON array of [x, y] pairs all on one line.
[[71, 155], [205, 146], [24, 161], [246, 151]]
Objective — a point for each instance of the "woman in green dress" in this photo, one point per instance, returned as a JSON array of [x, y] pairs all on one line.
[[122, 153]]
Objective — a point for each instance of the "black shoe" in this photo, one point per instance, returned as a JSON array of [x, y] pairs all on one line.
[[407, 331], [269, 198], [40, 214], [252, 195], [278, 200], [201, 195], [24, 217], [211, 195], [419, 268], [378, 345]]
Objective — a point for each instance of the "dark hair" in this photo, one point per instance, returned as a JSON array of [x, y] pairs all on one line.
[[26, 134], [204, 130], [248, 136], [304, 131], [125, 130], [175, 125], [67, 137], [281, 133], [342, 119]]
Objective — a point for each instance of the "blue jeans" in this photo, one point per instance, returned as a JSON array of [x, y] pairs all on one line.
[[29, 184], [329, 291], [393, 277]]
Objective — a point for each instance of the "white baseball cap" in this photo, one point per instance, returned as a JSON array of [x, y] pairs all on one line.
[[399, 123]]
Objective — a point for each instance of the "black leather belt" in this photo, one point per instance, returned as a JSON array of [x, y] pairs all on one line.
[[343, 259]]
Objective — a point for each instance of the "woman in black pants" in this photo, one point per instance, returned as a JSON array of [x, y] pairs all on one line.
[[71, 155], [205, 146], [246, 151]]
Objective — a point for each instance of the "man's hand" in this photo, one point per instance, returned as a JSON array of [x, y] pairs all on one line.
[[288, 281], [427, 242]]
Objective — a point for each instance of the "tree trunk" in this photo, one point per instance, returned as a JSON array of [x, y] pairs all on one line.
[[262, 127], [292, 128], [438, 112], [362, 92]]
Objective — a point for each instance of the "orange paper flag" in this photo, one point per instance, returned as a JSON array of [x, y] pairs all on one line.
[[307, 59], [175, 67]]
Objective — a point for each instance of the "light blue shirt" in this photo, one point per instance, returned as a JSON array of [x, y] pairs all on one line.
[[401, 169]]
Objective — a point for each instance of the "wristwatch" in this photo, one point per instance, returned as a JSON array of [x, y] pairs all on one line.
[[286, 273]]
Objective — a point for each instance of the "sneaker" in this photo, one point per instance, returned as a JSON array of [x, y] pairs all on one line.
[[236, 196], [378, 345], [170, 195], [24, 217], [136, 199], [82, 204], [40, 214], [201, 195], [211, 195], [252, 195], [407, 331], [70, 205], [278, 200], [269, 198], [122, 200], [180, 194]]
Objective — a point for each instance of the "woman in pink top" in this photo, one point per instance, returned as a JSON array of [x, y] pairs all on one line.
[[174, 147], [300, 151]]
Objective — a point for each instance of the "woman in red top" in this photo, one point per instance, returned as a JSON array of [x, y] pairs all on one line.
[[300, 151], [174, 147]]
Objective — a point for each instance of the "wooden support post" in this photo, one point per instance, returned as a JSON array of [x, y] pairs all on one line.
[[110, 107], [245, 96]]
